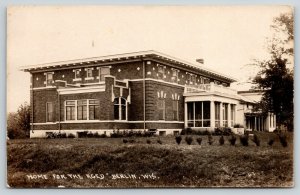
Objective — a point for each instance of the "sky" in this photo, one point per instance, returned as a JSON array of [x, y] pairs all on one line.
[[227, 38]]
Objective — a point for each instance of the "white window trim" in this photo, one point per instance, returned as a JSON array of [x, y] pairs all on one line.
[[76, 79], [88, 110], [87, 77], [120, 109], [47, 112], [46, 75]]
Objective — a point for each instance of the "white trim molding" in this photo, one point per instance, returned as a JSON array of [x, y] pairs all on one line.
[[64, 91]]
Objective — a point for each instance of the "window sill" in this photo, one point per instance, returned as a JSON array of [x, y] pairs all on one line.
[[89, 78], [78, 79]]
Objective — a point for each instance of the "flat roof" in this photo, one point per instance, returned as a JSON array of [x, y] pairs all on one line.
[[124, 56]]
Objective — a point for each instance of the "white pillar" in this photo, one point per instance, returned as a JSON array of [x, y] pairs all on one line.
[[221, 114], [185, 115], [229, 114], [212, 114], [275, 121]]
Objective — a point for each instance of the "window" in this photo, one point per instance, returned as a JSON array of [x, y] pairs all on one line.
[[198, 114], [81, 110], [49, 78], [70, 110], [232, 109], [89, 73], [225, 115], [77, 76], [161, 72], [217, 114], [94, 109], [49, 111], [175, 110], [103, 71], [161, 108], [191, 78], [175, 75], [120, 108]]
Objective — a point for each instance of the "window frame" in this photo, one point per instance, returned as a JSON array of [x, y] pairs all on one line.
[[77, 77], [87, 76], [161, 108], [75, 106], [120, 106], [49, 82], [53, 111]]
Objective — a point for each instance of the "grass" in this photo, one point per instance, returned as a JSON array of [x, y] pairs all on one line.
[[170, 164]]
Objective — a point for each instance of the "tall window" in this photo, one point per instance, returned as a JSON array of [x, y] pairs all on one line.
[[198, 114], [94, 109], [232, 116], [81, 110], [161, 72], [103, 71], [217, 114], [225, 115], [175, 75], [70, 110], [175, 110], [120, 108], [161, 108], [50, 112], [49, 78]]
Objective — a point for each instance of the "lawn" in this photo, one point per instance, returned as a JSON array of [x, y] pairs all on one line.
[[108, 162]]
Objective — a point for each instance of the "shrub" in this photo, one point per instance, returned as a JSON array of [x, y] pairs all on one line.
[[199, 140], [71, 135], [178, 139], [244, 139], [103, 135], [256, 140], [283, 139], [148, 141], [131, 141], [189, 140], [221, 140], [82, 134], [125, 141], [90, 135], [210, 139], [222, 131], [271, 141], [187, 131], [238, 126], [159, 141], [232, 140]]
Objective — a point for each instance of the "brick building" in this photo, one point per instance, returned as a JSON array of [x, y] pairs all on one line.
[[131, 91]]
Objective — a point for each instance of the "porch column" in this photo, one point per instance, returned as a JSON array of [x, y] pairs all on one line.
[[254, 123], [212, 114], [275, 126], [185, 114], [229, 114], [221, 114]]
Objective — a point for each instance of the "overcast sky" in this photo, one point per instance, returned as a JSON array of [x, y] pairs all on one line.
[[227, 38]]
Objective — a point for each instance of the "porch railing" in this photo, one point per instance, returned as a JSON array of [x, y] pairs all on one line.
[[211, 87]]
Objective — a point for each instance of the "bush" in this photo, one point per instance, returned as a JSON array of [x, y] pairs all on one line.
[[221, 140], [199, 140], [256, 140], [210, 139], [131, 141], [187, 131], [148, 141], [232, 140], [271, 141], [189, 140], [222, 131], [159, 141], [103, 135], [244, 139], [238, 126], [125, 141], [71, 135], [178, 139], [283, 140], [82, 134]]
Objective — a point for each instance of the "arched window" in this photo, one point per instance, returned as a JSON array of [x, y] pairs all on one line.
[[120, 108]]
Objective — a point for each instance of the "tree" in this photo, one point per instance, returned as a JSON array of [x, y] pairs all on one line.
[[274, 77], [18, 123]]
